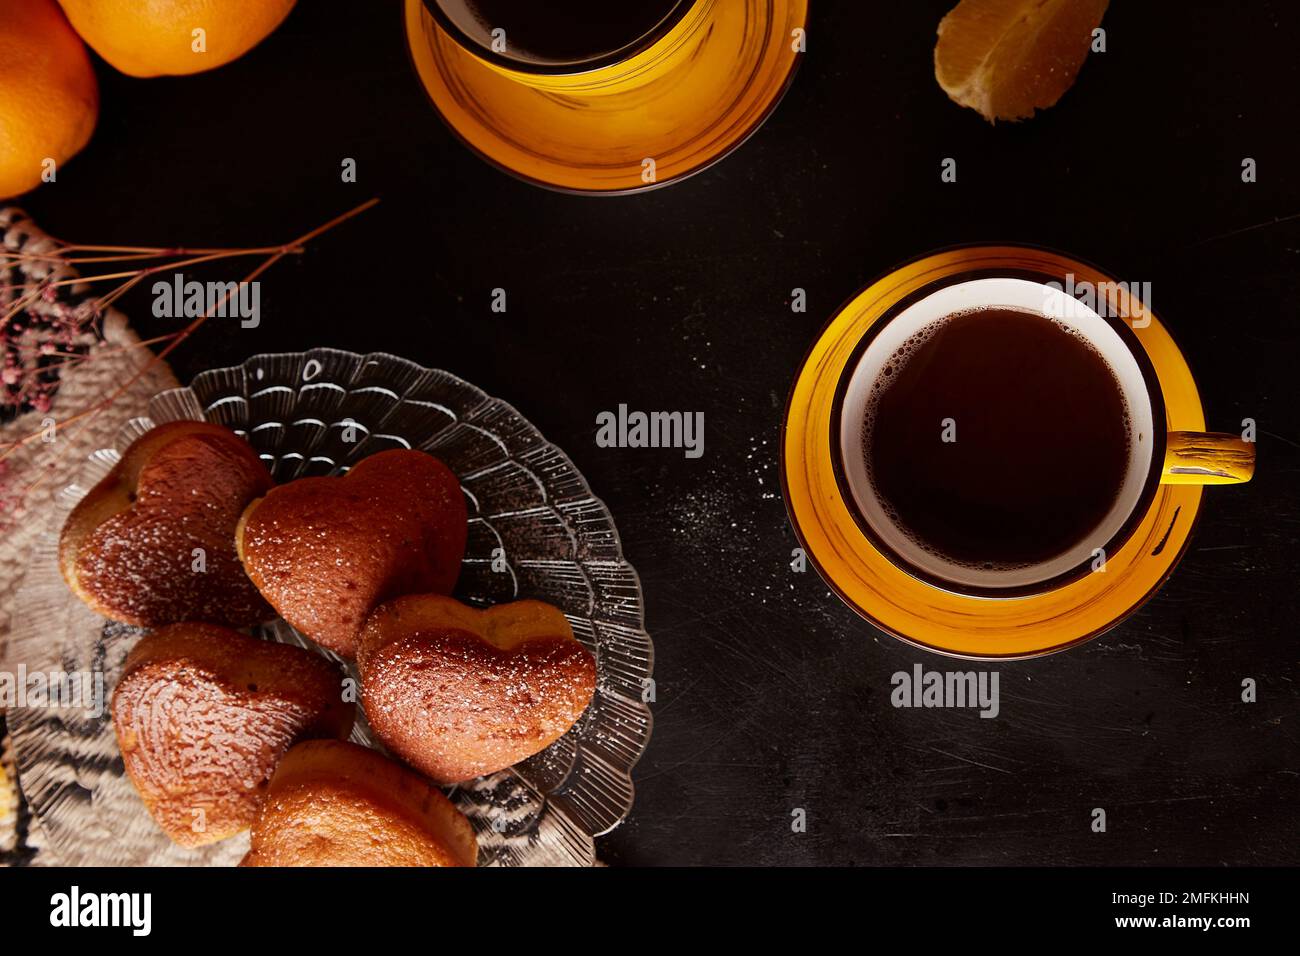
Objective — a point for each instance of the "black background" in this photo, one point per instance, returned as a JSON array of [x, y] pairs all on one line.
[[771, 694]]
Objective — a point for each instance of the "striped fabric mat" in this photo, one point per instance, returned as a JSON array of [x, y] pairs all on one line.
[[58, 359]]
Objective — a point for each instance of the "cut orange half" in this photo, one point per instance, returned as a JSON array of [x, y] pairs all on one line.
[[1007, 58]]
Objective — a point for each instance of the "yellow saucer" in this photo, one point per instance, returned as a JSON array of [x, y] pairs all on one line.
[[924, 615], [678, 106]]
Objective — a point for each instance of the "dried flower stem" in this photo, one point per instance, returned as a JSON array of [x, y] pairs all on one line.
[[273, 253], [60, 257]]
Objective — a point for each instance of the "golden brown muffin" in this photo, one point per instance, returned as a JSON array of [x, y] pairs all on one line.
[[338, 804], [458, 693], [154, 542], [325, 551], [203, 715]]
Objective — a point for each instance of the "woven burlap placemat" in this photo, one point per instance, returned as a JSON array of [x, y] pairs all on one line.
[[33, 474]]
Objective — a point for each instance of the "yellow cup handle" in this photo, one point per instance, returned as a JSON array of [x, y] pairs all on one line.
[[1207, 458]]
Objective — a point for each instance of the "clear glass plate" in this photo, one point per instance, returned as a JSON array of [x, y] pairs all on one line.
[[525, 498]]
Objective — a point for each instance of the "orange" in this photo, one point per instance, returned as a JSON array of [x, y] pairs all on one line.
[[1006, 58], [48, 96], [174, 37]]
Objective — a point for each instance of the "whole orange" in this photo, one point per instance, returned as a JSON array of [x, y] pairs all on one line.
[[174, 37], [48, 96]]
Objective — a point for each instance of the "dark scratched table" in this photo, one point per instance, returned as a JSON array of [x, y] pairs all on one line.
[[773, 697]]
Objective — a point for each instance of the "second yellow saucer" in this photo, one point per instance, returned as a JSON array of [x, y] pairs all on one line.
[[667, 112], [928, 616]]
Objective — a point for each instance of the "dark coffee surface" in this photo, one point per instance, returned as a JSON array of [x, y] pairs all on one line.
[[562, 30], [1041, 439]]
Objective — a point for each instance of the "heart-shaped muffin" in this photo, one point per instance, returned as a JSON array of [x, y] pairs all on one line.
[[458, 693], [154, 542], [325, 551], [337, 804], [203, 715]]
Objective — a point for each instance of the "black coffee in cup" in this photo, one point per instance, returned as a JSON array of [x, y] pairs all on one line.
[[997, 438]]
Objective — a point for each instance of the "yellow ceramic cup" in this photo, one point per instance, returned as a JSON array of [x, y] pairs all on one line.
[[652, 113], [1154, 454]]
